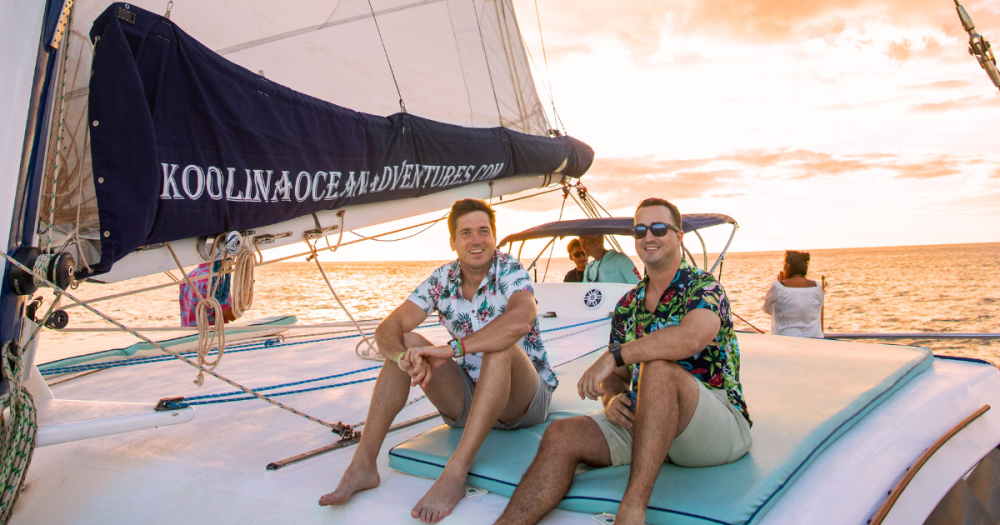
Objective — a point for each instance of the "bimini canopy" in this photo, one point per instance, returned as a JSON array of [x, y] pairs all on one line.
[[609, 226]]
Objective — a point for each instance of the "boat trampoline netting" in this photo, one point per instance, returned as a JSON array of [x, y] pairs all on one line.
[[802, 395]]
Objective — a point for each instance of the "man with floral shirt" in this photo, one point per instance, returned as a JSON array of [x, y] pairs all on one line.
[[494, 373], [672, 335]]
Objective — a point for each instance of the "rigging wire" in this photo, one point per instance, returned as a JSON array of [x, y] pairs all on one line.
[[402, 106], [486, 58], [297, 255], [338, 427], [549, 260], [548, 75]]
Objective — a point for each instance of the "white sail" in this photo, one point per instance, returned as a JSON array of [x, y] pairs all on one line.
[[454, 61]]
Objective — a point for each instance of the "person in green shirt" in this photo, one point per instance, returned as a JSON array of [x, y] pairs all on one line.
[[608, 266]]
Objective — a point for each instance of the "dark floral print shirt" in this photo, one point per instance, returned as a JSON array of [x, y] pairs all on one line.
[[442, 291], [718, 365]]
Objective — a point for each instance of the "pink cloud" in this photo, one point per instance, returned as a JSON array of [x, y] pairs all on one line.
[[991, 101], [622, 182], [573, 25]]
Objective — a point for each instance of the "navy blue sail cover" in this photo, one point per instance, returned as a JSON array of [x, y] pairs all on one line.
[[185, 143]]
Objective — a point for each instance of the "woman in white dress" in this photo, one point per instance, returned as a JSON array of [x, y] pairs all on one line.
[[794, 302]]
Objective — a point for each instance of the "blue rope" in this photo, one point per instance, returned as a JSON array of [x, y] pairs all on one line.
[[296, 383], [214, 398], [215, 401], [235, 349], [246, 347]]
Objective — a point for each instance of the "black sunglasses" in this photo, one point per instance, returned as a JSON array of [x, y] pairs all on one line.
[[659, 229], [577, 254]]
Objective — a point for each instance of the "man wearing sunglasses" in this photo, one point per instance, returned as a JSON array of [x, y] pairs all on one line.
[[608, 266], [673, 335], [579, 258]]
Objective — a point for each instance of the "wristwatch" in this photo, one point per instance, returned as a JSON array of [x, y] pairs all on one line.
[[616, 350], [456, 347]]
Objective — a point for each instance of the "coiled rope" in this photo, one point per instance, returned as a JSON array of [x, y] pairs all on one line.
[[17, 430], [243, 279], [20, 425], [241, 269]]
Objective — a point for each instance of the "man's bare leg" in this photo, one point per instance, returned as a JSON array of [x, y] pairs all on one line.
[[507, 383], [391, 389], [668, 399], [566, 443]]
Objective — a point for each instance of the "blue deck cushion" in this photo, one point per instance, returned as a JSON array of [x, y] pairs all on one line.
[[802, 394]]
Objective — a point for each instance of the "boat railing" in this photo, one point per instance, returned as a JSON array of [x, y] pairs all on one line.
[[913, 335]]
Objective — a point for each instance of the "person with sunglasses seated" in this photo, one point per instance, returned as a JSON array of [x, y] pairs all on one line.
[[579, 258], [673, 335], [608, 266]]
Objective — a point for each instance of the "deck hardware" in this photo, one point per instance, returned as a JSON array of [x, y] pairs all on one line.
[[345, 442], [57, 320], [20, 281], [170, 403]]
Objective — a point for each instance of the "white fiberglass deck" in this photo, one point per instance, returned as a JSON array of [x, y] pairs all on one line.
[[212, 469]]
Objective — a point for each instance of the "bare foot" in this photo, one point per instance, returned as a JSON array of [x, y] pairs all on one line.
[[355, 479], [446, 492]]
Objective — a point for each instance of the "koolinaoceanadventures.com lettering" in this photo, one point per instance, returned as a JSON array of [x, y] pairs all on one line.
[[193, 182]]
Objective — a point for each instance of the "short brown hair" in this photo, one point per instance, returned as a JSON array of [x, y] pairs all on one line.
[[656, 201], [464, 206], [574, 242], [797, 263]]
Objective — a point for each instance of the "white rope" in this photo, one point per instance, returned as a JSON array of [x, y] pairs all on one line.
[[243, 279], [370, 353], [209, 335]]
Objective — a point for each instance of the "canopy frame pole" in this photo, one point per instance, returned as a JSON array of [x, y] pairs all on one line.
[[704, 250], [532, 265], [726, 249]]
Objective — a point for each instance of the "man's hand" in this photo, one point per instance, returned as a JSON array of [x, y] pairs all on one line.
[[426, 359], [618, 411], [589, 385]]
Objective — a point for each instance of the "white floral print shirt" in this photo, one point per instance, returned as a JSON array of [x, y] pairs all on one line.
[[442, 291]]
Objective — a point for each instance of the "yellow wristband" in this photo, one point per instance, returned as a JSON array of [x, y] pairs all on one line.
[[399, 360]]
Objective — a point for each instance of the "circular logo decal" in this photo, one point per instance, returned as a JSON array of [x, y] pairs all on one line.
[[593, 298]]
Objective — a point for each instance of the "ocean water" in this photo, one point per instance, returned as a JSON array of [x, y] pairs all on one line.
[[944, 288]]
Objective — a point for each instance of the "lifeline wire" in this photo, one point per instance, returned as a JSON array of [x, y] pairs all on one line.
[[337, 427]]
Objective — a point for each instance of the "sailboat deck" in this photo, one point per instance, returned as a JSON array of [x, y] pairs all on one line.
[[212, 469]]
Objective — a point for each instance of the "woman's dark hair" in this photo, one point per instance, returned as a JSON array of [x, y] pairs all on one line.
[[464, 206], [797, 263]]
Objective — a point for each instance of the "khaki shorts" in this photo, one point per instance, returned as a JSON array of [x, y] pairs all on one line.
[[538, 409], [717, 434]]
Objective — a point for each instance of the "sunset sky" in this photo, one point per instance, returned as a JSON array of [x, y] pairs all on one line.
[[818, 124]]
